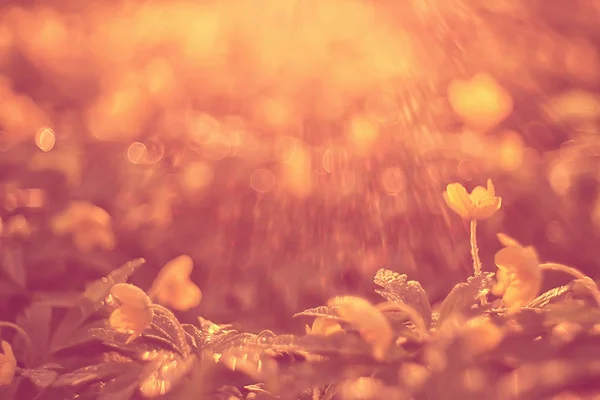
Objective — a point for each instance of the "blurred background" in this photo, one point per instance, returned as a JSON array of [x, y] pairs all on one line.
[[290, 147]]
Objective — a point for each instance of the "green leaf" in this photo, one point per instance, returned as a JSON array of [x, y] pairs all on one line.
[[397, 289], [121, 387], [164, 372], [99, 332], [92, 300], [464, 296], [548, 296], [319, 312], [92, 373], [253, 362], [346, 345], [165, 327], [217, 340], [40, 377]]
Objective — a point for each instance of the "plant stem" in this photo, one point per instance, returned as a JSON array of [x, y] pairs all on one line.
[[410, 312], [22, 333], [474, 249], [593, 288], [316, 393], [181, 335]]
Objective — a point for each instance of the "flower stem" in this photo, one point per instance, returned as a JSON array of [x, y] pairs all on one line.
[[22, 333], [593, 288], [410, 312], [474, 249], [316, 393], [181, 335]]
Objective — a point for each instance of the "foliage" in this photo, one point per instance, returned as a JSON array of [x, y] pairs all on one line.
[[467, 346]]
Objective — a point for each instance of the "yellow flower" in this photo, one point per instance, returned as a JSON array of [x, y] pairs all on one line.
[[372, 325], [8, 364], [519, 277], [481, 203], [173, 287], [134, 313], [324, 326], [90, 225]]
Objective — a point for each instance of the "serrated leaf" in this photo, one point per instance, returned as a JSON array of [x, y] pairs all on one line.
[[40, 377], [91, 300], [164, 372], [384, 277], [320, 312], [347, 345], [584, 287], [463, 296], [257, 388], [91, 373], [253, 362], [233, 340], [547, 297], [118, 341], [396, 288], [99, 331], [218, 340], [167, 328], [195, 337], [122, 387]]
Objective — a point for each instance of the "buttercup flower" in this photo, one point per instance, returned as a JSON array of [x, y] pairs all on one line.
[[173, 287], [481, 203], [372, 325], [519, 277], [134, 313], [8, 364], [324, 326], [90, 225]]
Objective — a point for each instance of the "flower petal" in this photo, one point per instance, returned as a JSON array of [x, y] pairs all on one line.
[[176, 270], [8, 364], [457, 198], [486, 207], [478, 194], [130, 319], [508, 241], [8, 351], [179, 267], [490, 188], [130, 295], [521, 266], [186, 296], [503, 280]]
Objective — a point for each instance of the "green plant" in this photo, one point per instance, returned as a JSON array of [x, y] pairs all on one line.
[[115, 343]]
